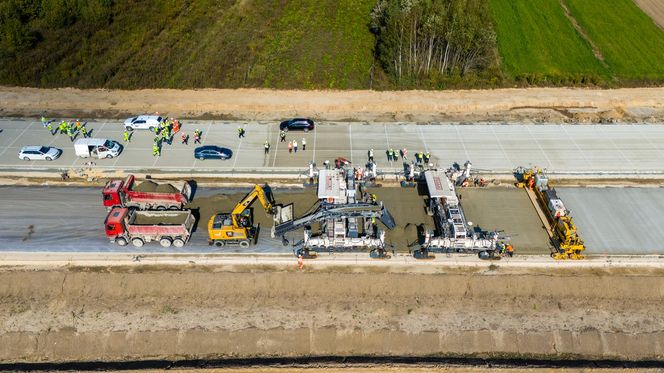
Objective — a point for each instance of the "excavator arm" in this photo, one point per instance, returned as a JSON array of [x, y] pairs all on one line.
[[264, 196]]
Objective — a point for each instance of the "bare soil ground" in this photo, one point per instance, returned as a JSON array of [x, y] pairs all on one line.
[[115, 313], [653, 8], [533, 104]]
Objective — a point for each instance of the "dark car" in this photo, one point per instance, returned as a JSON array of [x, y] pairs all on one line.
[[297, 124], [212, 152]]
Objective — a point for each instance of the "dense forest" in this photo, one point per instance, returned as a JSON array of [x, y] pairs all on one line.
[[424, 40]]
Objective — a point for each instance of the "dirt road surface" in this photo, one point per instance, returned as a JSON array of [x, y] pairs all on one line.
[[533, 104], [653, 8], [141, 311]]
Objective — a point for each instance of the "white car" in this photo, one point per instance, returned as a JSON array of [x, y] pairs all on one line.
[[142, 122], [39, 153]]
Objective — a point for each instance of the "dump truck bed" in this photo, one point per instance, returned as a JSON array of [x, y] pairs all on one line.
[[175, 223]]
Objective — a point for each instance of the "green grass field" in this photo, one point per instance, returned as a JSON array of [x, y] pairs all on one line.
[[205, 43], [631, 43], [535, 37], [538, 41]]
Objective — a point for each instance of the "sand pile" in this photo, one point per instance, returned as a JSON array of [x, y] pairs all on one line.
[[149, 186], [166, 188]]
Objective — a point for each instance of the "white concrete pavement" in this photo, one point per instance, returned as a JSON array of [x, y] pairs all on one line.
[[590, 149]]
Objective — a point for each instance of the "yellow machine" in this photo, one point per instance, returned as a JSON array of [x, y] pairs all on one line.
[[237, 226], [559, 224]]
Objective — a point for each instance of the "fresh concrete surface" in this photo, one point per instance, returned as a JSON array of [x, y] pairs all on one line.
[[510, 211], [494, 147], [618, 220]]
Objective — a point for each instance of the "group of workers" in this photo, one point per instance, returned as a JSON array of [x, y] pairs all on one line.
[[71, 129], [393, 156], [164, 133]]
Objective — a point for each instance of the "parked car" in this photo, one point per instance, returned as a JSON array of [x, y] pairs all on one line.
[[39, 153], [297, 124], [212, 152], [142, 122]]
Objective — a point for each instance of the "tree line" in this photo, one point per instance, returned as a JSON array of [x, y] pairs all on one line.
[[429, 39]]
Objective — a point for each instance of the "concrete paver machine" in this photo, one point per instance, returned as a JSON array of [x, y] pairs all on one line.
[[347, 221]]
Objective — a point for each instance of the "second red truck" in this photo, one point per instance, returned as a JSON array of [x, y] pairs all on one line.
[[148, 195]]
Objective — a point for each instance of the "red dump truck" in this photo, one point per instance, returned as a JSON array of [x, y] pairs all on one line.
[[148, 195], [125, 225]]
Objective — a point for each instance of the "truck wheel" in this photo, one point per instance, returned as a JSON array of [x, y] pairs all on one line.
[[108, 156], [137, 242], [219, 243], [121, 241], [161, 208], [165, 242], [173, 208], [178, 242], [244, 244]]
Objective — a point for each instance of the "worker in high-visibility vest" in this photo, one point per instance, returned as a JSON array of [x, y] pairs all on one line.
[[510, 250]]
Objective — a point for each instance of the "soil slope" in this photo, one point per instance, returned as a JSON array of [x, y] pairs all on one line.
[[536, 104], [142, 311]]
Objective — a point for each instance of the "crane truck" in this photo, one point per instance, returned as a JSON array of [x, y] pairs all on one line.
[[173, 195], [125, 225], [237, 226]]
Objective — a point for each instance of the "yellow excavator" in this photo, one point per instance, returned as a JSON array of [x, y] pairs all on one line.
[[555, 217], [237, 226]]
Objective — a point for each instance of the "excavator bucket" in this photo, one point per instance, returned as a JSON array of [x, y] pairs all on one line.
[[282, 215], [387, 219]]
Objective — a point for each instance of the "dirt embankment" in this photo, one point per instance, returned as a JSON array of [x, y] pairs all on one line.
[[532, 104], [142, 312]]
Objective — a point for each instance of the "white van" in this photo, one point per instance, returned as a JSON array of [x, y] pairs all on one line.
[[97, 148], [142, 122]]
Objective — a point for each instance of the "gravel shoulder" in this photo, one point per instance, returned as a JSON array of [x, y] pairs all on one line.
[[528, 104]]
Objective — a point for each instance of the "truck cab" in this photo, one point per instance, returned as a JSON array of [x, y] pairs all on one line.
[[111, 193], [114, 224]]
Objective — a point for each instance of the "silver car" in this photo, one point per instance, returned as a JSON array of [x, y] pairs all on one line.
[[142, 122], [39, 153]]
